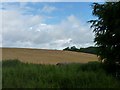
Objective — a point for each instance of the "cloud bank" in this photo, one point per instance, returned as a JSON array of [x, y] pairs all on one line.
[[31, 31]]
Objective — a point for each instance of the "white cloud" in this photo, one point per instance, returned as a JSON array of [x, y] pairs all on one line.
[[21, 30], [48, 9], [58, 0], [15, 26], [0, 30]]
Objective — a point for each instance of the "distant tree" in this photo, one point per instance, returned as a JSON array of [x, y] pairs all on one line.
[[107, 32], [73, 48], [67, 48], [91, 50]]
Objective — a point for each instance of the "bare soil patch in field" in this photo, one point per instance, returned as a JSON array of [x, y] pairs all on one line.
[[44, 56]]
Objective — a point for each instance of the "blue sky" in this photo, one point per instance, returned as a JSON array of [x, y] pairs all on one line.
[[81, 10], [53, 25]]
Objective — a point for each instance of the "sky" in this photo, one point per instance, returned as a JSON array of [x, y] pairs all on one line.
[[46, 25]]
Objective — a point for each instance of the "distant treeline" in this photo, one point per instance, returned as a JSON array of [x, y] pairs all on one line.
[[91, 50]]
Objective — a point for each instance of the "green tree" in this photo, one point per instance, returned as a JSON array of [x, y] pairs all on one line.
[[67, 48], [107, 32], [73, 48]]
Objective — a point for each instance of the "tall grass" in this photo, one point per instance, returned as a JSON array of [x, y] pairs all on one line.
[[0, 75], [21, 75]]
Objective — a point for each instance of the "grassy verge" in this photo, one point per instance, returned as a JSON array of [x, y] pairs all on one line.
[[90, 75]]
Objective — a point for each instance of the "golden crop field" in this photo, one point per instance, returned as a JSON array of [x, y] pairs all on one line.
[[44, 56]]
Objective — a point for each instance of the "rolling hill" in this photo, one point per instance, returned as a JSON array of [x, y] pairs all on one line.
[[45, 56]]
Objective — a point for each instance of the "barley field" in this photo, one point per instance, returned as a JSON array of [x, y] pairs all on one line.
[[44, 56]]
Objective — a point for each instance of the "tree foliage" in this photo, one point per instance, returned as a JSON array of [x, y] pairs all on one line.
[[73, 48], [107, 31], [91, 49]]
